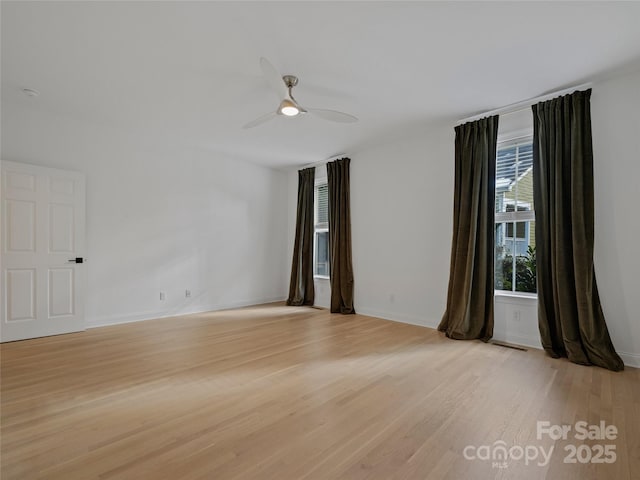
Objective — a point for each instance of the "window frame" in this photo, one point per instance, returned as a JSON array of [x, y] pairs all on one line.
[[318, 228], [526, 216]]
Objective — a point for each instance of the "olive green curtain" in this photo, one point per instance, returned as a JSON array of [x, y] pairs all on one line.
[[570, 316], [301, 290], [469, 313], [341, 269]]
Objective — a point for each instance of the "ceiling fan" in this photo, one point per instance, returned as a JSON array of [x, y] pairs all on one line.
[[289, 107]]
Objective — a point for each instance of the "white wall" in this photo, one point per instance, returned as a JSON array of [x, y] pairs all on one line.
[[615, 113], [402, 197], [162, 218], [401, 200], [401, 226]]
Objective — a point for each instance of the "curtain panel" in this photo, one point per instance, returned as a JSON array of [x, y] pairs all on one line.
[[301, 290], [469, 313], [570, 316], [341, 269]]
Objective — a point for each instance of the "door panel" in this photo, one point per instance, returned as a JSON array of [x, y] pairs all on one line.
[[43, 212], [61, 288], [61, 185], [21, 225], [61, 228], [21, 181], [21, 294]]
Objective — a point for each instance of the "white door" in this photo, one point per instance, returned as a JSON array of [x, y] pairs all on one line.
[[43, 221]]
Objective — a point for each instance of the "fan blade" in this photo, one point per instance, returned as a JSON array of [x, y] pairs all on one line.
[[273, 78], [260, 120], [332, 115]]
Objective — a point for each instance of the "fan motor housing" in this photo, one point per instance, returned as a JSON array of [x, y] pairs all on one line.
[[290, 80]]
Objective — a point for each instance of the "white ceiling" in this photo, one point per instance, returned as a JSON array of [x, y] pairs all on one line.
[[188, 72]]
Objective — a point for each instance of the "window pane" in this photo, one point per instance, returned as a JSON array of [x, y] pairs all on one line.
[[322, 254], [505, 176], [322, 205], [503, 274], [515, 258], [525, 177], [515, 239], [521, 230], [514, 178], [509, 230]]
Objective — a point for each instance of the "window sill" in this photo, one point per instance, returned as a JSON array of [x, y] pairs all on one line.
[[505, 293], [320, 277]]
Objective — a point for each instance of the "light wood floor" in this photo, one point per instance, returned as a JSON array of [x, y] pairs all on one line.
[[285, 393]]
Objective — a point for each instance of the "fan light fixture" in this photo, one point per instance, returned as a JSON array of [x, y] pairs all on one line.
[[288, 108]]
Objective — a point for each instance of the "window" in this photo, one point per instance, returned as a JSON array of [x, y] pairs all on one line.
[[515, 246], [522, 228], [321, 236]]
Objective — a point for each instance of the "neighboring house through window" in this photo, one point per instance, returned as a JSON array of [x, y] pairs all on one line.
[[515, 217], [321, 236]]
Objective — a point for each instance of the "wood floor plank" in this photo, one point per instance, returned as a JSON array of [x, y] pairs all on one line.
[[295, 393]]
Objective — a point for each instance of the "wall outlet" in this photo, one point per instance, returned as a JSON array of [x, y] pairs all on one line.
[[516, 315], [187, 293], [162, 295]]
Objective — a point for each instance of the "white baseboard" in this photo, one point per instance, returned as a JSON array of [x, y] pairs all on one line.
[[398, 317], [630, 359], [521, 340], [105, 321]]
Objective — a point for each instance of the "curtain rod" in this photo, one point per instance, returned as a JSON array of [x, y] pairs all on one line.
[[523, 105], [322, 162]]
